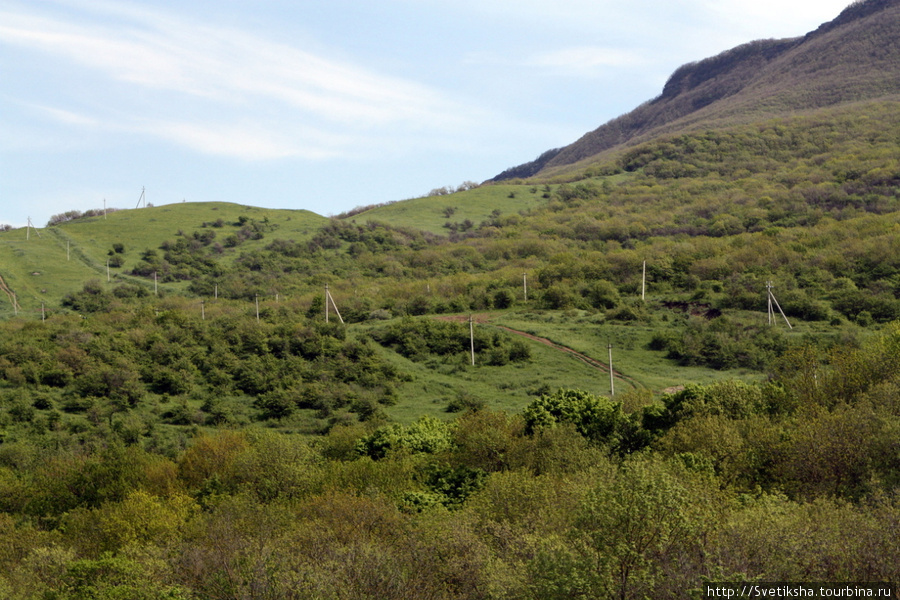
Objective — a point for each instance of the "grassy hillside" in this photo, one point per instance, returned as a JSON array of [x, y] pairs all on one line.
[[57, 260], [442, 215]]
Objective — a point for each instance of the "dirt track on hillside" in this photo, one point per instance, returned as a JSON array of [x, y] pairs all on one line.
[[484, 319], [12, 296]]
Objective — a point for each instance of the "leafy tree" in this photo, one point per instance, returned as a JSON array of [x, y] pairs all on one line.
[[595, 417]]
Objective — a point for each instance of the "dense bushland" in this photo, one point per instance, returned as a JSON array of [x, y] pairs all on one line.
[[187, 364], [792, 479]]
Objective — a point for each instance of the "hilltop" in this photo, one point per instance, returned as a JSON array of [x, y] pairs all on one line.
[[851, 59]]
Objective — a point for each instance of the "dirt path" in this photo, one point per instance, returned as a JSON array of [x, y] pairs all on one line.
[[485, 319], [12, 296]]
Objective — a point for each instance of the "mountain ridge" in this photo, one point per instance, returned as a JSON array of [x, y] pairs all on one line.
[[848, 59]]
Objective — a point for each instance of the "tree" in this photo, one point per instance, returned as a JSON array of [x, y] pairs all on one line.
[[595, 417]]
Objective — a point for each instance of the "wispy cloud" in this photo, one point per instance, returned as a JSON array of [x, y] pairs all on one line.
[[586, 59], [198, 77]]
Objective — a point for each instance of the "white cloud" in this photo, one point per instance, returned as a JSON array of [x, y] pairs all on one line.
[[170, 70]]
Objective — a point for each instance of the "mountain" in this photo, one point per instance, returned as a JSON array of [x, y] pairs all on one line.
[[854, 58]]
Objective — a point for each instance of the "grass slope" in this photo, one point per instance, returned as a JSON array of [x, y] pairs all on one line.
[[57, 260], [432, 213]]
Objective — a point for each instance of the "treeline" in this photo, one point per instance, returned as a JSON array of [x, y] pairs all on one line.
[[73, 215], [793, 479]]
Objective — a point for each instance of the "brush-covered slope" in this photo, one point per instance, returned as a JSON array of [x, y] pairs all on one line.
[[853, 58]]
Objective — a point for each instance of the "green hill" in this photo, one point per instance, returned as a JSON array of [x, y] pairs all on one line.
[[45, 264]]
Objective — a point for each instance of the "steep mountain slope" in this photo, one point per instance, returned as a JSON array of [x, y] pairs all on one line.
[[850, 59]]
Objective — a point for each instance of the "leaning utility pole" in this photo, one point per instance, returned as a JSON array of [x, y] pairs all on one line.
[[328, 298], [28, 229], [772, 299]]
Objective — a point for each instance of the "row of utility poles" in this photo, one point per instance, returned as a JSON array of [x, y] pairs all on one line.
[[330, 303]]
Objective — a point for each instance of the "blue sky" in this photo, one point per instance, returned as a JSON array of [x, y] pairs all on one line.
[[331, 104]]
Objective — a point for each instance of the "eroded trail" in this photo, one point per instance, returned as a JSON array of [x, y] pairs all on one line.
[[12, 296], [591, 362]]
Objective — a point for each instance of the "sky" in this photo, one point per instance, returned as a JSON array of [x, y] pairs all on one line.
[[332, 104]]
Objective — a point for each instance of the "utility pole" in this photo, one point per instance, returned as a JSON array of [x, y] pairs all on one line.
[[28, 229], [155, 284], [203, 310], [257, 308], [330, 298], [612, 384], [772, 299], [472, 338], [107, 270], [644, 281], [525, 285]]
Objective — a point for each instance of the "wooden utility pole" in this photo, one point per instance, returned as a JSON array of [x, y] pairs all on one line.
[[329, 298], [525, 285], [257, 307], [612, 384], [772, 299], [472, 338], [644, 281], [28, 229]]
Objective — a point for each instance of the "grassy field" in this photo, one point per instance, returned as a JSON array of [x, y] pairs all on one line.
[[476, 205], [643, 372], [37, 271]]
